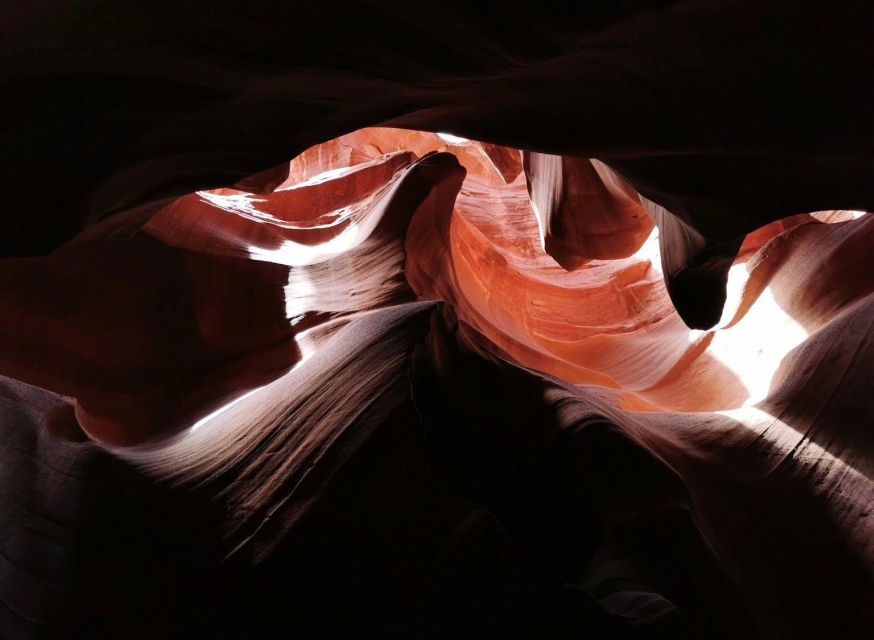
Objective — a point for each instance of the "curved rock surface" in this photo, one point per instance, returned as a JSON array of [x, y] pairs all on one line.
[[678, 96], [601, 368]]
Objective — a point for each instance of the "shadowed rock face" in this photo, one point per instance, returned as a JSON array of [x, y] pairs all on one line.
[[584, 210], [601, 368], [702, 106]]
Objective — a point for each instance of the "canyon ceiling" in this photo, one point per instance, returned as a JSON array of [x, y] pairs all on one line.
[[438, 319]]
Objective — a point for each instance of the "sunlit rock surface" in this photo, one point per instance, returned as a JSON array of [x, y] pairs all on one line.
[[583, 350]]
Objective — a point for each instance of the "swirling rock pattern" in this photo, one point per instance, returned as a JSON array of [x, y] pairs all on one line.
[[601, 368]]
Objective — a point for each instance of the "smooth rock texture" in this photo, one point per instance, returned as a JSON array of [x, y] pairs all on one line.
[[584, 210], [706, 110], [426, 321]]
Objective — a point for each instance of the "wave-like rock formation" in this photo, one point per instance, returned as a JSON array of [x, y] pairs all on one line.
[[280, 356]]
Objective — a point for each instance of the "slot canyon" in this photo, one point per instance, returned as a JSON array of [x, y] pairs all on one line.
[[430, 320]]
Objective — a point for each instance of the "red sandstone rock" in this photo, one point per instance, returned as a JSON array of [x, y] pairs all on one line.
[[224, 413], [581, 215]]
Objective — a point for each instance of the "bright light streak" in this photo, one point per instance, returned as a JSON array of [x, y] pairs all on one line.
[[197, 425], [239, 203], [295, 254], [324, 176], [451, 139], [754, 348], [299, 295], [649, 250]]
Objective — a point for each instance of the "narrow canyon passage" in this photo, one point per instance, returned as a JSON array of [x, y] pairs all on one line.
[[518, 323]]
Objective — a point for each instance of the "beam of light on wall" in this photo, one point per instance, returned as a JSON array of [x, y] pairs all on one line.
[[207, 418], [239, 203], [300, 294], [324, 176], [308, 344], [754, 348], [541, 229], [649, 251], [295, 254], [738, 277], [841, 215], [451, 139]]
